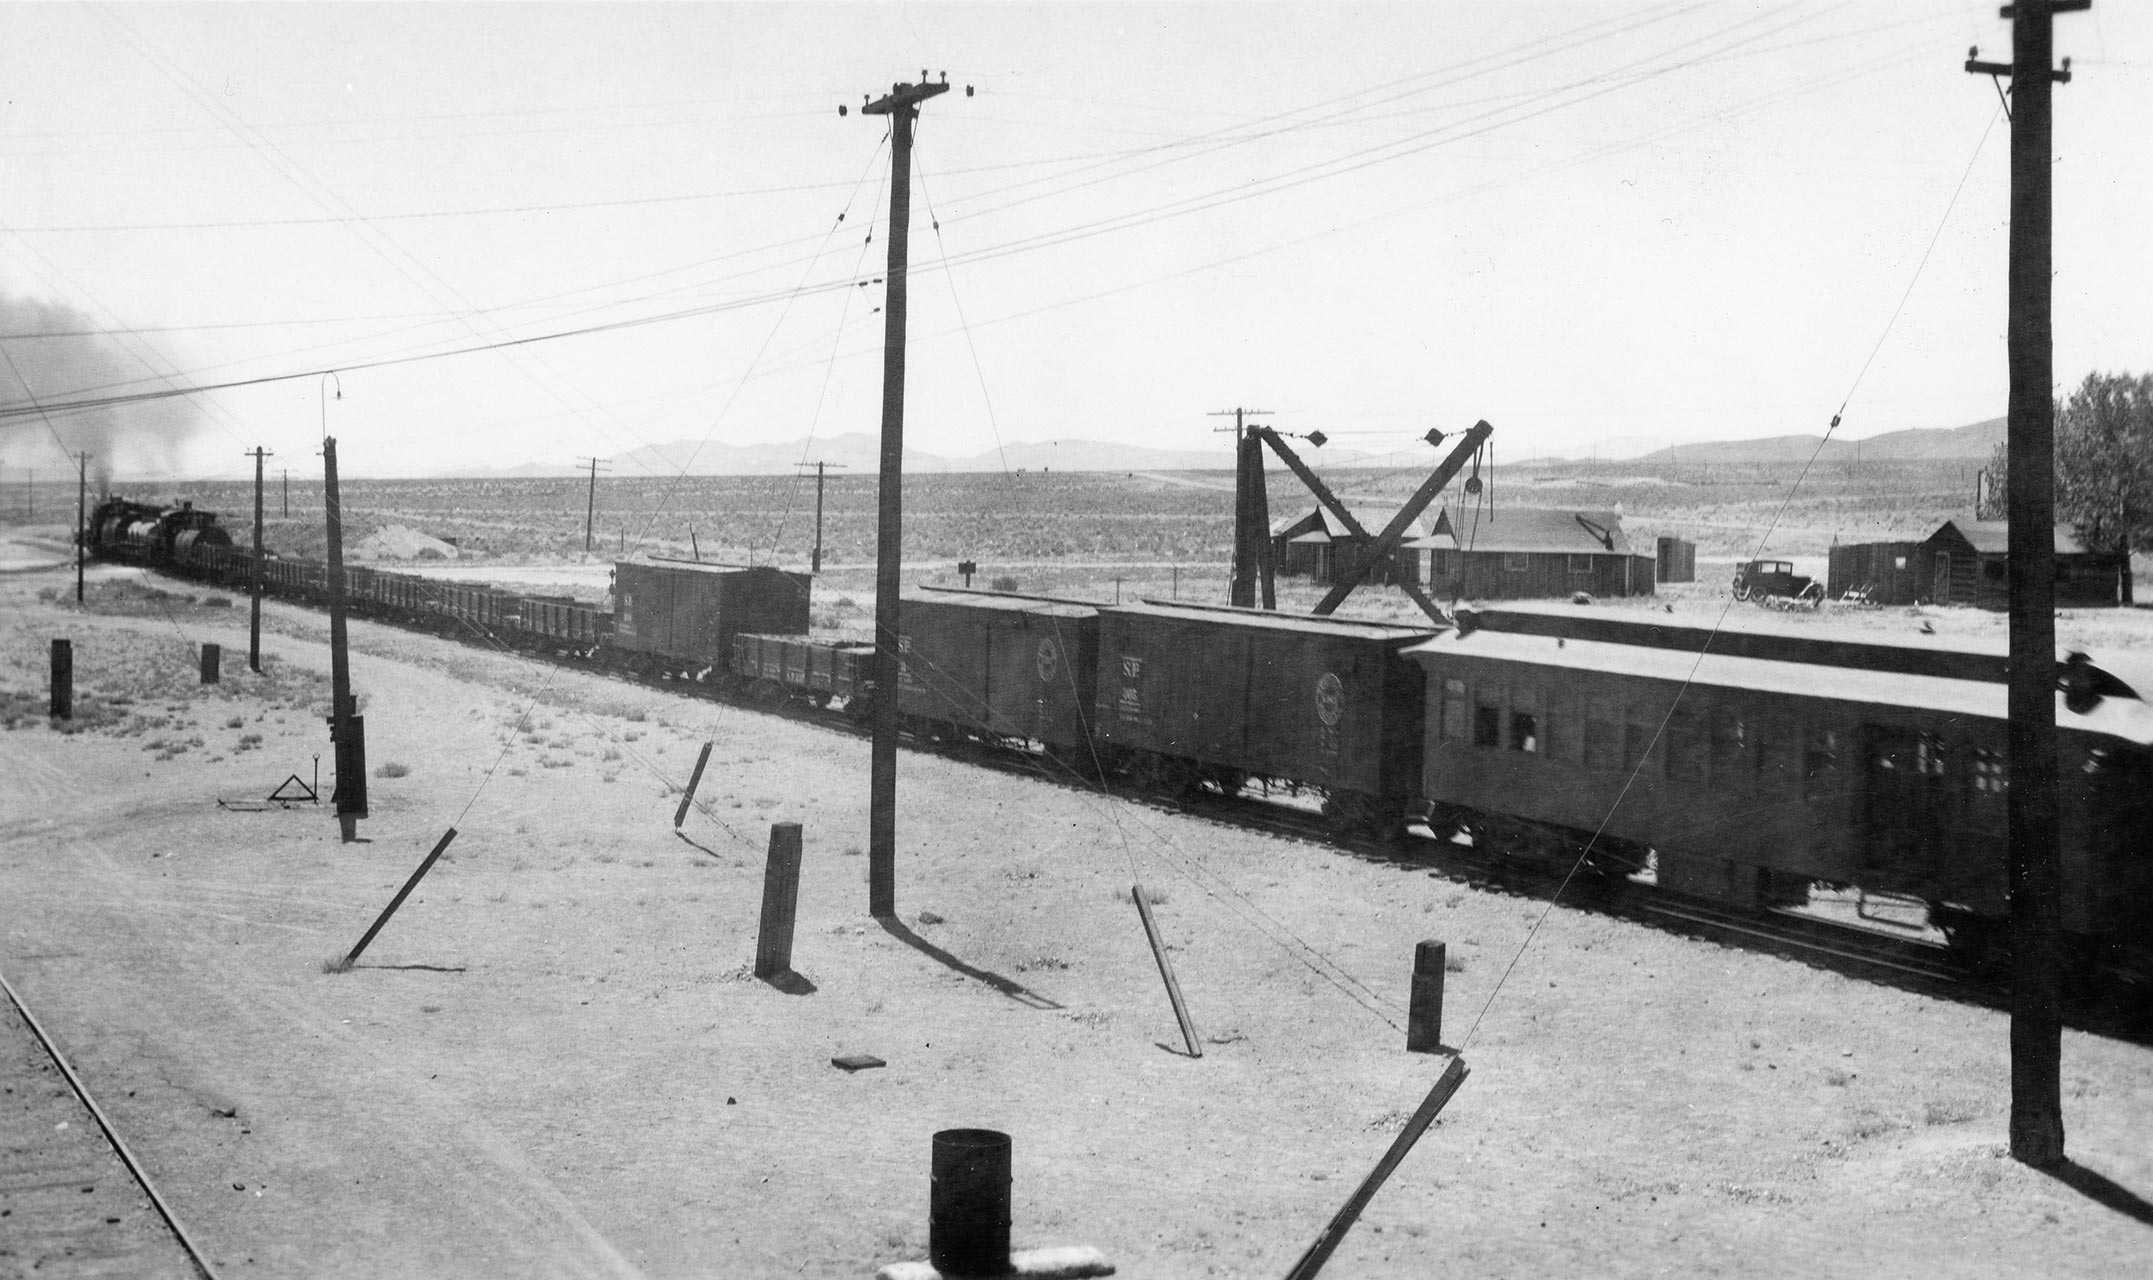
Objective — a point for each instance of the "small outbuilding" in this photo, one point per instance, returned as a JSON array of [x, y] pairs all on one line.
[[1676, 559], [1967, 562], [1516, 553], [1318, 545]]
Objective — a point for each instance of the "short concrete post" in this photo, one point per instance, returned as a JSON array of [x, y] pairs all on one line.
[[1424, 1016], [781, 901], [63, 679], [212, 663], [695, 780], [968, 1203]]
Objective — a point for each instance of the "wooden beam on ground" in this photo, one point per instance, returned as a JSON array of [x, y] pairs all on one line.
[[1166, 971], [1319, 1252]]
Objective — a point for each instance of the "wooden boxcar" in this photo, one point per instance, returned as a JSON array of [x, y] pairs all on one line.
[[999, 666], [683, 615], [1751, 777], [1225, 695]]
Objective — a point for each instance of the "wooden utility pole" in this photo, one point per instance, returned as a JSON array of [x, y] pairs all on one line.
[[287, 493], [901, 105], [345, 731], [2031, 805], [1251, 516], [815, 565], [254, 575], [590, 509], [82, 508]]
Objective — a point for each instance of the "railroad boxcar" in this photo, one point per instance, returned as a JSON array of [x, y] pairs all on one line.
[[1225, 695], [999, 666], [1749, 778], [680, 616]]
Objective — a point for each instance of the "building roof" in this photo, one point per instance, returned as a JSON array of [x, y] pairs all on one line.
[[1545, 529], [1993, 537], [1319, 519]]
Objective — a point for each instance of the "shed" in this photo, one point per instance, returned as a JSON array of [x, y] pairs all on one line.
[[1677, 559], [1968, 562], [1318, 545], [1526, 552], [1888, 571]]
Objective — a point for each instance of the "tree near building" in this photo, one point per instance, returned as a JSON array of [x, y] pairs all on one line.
[[2104, 464]]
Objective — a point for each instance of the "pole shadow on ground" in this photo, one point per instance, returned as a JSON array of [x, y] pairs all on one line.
[[1016, 991]]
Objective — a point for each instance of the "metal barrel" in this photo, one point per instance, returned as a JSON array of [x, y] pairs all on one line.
[[968, 1204]]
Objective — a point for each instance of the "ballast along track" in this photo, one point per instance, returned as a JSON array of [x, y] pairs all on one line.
[[73, 1198]]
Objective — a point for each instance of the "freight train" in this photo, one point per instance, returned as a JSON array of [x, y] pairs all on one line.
[[1737, 766]]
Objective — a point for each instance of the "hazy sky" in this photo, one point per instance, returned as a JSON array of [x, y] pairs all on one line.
[[1604, 224]]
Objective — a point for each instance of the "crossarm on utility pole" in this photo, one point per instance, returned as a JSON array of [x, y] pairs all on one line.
[[1394, 532]]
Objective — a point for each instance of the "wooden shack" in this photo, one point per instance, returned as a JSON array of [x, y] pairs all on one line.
[[1517, 553], [1967, 562], [1318, 545]]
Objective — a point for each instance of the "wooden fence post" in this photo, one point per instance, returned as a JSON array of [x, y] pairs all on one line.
[[63, 679], [352, 957], [212, 662], [1320, 1249], [1166, 971], [695, 780], [781, 901], [1424, 1016]]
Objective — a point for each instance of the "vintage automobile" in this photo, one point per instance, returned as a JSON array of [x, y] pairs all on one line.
[[1776, 582]]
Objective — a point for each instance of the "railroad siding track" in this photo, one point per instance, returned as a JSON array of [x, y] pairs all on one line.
[[69, 1205], [1871, 955]]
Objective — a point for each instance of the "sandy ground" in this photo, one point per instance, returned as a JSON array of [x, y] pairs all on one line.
[[554, 1060]]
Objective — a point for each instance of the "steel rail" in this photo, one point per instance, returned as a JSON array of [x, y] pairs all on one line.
[[112, 1134]]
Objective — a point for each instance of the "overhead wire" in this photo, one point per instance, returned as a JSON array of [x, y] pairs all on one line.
[[1719, 621]]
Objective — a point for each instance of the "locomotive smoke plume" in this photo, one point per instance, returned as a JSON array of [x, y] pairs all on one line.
[[56, 355]]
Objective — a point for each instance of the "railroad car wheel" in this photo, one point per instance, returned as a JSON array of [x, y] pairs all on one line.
[[1354, 813], [1981, 943], [1228, 781], [1162, 775]]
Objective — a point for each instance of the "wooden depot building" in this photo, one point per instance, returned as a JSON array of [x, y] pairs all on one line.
[[1515, 553]]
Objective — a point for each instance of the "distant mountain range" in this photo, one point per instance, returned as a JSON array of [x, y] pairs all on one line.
[[860, 452], [1975, 441]]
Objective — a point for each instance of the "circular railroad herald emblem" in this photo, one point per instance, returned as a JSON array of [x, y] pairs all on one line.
[[1330, 698], [1049, 661]]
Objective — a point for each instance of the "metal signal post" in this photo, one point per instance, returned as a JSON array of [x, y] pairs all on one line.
[[82, 507], [901, 105]]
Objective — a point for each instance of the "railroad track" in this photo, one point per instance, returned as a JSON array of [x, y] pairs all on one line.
[[1926, 967], [74, 1201]]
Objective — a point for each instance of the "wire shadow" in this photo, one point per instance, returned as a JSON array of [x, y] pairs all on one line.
[[428, 968], [1016, 991], [692, 843], [2103, 1190]]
